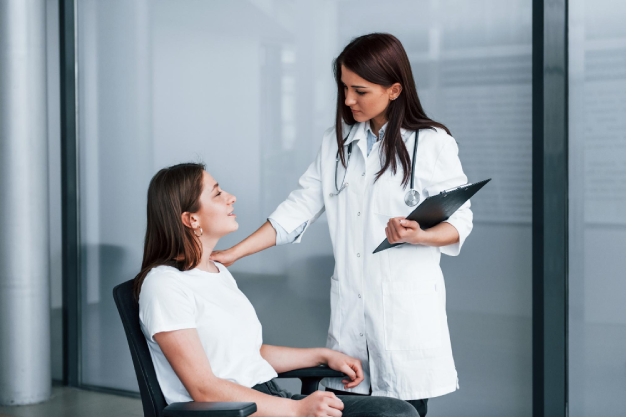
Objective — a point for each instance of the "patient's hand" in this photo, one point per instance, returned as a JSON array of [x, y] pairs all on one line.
[[319, 404], [225, 257], [346, 364]]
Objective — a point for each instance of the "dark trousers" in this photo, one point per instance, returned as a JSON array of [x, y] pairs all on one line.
[[420, 405], [353, 405]]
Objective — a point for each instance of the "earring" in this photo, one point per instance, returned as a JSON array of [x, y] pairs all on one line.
[[197, 235]]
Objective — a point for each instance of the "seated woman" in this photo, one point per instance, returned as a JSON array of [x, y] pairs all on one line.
[[203, 333]]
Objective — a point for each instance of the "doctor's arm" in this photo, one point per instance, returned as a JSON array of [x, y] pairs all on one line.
[[291, 218], [401, 230], [263, 238], [184, 352], [450, 234]]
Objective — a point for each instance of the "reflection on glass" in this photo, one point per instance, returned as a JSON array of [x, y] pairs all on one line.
[[247, 87]]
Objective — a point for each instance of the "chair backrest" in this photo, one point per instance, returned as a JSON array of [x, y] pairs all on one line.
[[151, 394]]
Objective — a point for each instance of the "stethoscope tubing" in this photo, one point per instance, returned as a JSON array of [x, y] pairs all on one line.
[[417, 133], [343, 184]]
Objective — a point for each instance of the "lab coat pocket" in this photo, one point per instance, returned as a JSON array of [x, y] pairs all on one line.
[[412, 316], [334, 328]]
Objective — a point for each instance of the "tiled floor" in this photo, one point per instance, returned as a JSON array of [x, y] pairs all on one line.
[[72, 402]]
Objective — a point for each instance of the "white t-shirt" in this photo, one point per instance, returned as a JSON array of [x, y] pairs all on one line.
[[226, 322]]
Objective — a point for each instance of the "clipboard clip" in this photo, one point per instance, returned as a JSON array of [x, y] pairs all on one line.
[[449, 190]]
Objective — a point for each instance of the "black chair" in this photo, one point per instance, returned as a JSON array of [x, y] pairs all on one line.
[[154, 404]]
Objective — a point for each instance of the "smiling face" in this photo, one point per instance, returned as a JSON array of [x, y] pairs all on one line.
[[366, 100], [216, 215]]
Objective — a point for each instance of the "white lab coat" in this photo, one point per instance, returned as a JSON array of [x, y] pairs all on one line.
[[391, 304]]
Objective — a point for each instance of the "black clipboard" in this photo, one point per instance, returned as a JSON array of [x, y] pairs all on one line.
[[438, 208]]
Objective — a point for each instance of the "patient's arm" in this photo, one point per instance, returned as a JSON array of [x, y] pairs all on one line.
[[183, 350], [285, 359]]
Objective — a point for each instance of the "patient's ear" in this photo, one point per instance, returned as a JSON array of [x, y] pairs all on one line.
[[189, 220]]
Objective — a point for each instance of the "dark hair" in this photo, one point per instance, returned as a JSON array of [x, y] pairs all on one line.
[[168, 241], [381, 59]]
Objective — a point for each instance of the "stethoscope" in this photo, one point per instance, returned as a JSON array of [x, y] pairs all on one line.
[[411, 198]]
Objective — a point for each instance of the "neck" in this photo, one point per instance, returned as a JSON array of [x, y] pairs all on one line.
[[376, 123], [208, 244]]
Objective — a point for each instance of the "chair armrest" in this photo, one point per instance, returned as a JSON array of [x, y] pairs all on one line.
[[209, 409], [321, 371], [311, 377]]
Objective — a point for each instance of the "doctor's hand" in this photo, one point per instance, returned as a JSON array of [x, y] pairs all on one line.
[[401, 230], [346, 364], [225, 257]]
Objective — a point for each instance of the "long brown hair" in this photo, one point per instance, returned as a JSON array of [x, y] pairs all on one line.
[[381, 59], [168, 241]]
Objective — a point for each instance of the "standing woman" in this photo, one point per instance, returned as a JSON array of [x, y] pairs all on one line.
[[382, 158]]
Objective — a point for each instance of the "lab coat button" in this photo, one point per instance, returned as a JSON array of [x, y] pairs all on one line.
[[363, 174], [358, 255], [359, 295], [359, 213], [361, 334]]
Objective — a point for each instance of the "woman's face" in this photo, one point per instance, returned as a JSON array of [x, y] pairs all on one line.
[[216, 216], [365, 99]]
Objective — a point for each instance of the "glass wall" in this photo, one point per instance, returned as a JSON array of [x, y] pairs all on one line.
[[54, 187], [247, 87], [597, 233]]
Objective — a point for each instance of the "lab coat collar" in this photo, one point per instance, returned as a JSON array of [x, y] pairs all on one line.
[[359, 131]]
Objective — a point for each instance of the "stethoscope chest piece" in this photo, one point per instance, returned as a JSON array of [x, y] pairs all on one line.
[[411, 198]]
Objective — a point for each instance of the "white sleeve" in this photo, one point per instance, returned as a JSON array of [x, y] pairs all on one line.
[[448, 173], [165, 305], [282, 237], [305, 204]]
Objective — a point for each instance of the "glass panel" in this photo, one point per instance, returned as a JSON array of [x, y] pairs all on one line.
[[54, 186], [116, 123], [597, 193], [475, 75], [247, 87]]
